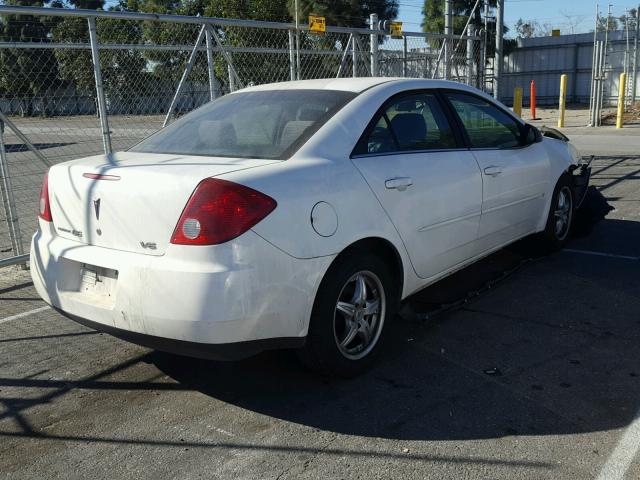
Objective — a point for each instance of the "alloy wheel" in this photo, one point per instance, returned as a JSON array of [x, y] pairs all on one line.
[[563, 213], [359, 315]]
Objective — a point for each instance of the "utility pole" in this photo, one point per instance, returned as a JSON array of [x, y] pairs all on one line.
[[295, 6], [498, 57], [634, 74], [606, 50], [448, 31], [594, 73], [373, 25]]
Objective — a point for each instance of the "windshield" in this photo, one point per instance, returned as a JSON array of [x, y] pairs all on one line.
[[265, 124]]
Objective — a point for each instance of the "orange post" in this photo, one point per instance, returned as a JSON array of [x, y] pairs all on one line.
[[533, 100]]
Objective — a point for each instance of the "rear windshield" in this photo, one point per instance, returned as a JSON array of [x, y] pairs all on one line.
[[266, 124]]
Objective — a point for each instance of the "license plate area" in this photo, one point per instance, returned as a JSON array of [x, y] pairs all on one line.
[[97, 280]]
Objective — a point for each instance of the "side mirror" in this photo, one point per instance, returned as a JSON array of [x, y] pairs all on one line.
[[530, 134]]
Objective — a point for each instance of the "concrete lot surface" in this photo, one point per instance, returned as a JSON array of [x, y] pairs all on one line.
[[535, 377]]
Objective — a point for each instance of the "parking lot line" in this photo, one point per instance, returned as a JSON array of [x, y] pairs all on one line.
[[23, 314], [624, 453], [600, 254]]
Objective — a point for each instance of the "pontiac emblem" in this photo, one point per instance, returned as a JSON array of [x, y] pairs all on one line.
[[96, 208]]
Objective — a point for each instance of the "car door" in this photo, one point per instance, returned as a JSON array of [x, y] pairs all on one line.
[[515, 172], [426, 180]]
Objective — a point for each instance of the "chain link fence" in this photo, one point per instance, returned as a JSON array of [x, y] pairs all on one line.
[[58, 104]]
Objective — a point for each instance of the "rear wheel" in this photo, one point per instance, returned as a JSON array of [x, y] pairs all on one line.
[[355, 300], [560, 216]]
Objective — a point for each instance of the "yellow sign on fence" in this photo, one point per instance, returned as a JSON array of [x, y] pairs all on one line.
[[396, 30], [317, 24], [555, 32]]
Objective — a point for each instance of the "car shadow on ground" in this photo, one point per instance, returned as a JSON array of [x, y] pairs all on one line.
[[541, 353]]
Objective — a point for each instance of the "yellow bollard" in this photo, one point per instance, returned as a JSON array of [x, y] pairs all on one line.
[[563, 99], [621, 90], [517, 101]]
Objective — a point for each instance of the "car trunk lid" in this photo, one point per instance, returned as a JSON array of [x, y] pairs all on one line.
[[130, 201]]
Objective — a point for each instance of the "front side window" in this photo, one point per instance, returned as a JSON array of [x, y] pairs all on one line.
[[264, 124], [412, 122], [487, 126]]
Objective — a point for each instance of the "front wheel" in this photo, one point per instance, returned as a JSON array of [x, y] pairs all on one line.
[[354, 302], [560, 216]]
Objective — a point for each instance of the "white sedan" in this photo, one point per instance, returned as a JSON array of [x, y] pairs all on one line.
[[296, 215]]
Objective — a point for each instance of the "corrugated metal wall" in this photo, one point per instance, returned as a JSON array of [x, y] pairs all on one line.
[[544, 59]]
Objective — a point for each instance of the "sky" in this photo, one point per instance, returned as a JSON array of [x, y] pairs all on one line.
[[567, 15], [580, 13]]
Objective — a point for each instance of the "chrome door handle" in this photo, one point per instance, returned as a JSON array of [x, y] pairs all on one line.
[[400, 183], [493, 170]]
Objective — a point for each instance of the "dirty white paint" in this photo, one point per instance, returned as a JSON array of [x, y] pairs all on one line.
[[23, 314], [624, 453]]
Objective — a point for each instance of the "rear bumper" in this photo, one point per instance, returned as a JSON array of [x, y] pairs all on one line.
[[221, 351], [188, 299]]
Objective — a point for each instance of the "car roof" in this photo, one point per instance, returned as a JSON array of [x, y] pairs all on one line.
[[356, 85]]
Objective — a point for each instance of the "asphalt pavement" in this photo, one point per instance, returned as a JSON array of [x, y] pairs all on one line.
[[524, 366]]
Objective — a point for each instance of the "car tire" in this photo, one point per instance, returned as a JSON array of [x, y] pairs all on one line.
[[346, 329], [560, 216]]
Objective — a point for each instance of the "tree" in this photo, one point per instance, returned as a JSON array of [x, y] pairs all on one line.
[[532, 28], [631, 18], [346, 13], [123, 70], [526, 29], [27, 73], [433, 15], [612, 21]]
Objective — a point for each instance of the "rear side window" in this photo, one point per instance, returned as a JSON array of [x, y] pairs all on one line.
[[487, 126], [410, 123], [264, 124]]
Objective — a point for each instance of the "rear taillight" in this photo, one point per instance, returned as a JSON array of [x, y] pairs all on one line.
[[44, 206], [219, 211]]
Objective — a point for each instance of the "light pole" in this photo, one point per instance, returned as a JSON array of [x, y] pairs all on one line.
[[295, 6], [498, 58]]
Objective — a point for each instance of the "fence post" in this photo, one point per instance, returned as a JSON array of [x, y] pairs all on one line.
[[232, 80], [517, 101], [532, 104], [343, 59], [621, 92], [563, 100], [373, 24], [497, 67], [102, 104], [8, 200], [354, 55], [634, 76], [471, 34], [212, 75], [404, 55], [482, 64], [448, 31], [292, 57]]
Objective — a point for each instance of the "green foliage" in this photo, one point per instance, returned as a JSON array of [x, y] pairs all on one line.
[[27, 73], [131, 73], [349, 13], [121, 68], [433, 15], [613, 23]]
